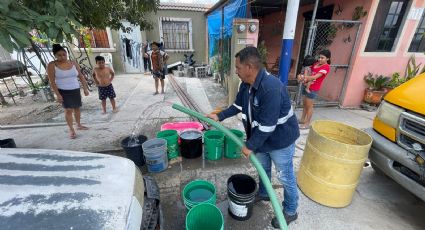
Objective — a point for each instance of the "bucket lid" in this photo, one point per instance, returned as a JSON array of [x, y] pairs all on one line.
[[191, 134]]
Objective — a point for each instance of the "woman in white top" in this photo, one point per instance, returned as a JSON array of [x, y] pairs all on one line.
[[63, 77]]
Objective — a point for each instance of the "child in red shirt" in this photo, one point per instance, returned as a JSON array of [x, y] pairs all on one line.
[[319, 71]]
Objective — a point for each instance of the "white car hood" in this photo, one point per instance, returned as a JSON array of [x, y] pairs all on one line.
[[59, 189]]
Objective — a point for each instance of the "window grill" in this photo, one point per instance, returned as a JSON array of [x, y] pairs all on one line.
[[176, 35]]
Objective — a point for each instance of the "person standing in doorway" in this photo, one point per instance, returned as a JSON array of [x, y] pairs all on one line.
[[270, 124], [158, 59], [63, 77], [319, 71]]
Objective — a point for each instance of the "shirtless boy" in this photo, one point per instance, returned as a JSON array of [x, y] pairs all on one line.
[[103, 77]]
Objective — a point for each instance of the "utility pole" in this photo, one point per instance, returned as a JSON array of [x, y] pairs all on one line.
[[288, 39]]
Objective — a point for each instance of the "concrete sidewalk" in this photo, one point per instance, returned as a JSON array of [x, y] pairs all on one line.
[[139, 111], [378, 203]]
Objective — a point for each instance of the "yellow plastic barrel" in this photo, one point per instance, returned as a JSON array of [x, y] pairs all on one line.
[[333, 160]]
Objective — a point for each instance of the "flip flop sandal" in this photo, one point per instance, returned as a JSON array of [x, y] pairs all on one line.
[[82, 128], [72, 135]]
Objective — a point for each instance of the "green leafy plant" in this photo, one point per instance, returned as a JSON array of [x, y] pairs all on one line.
[[60, 19], [262, 49], [332, 30], [376, 82], [40, 84], [413, 69], [359, 13], [218, 66], [395, 81]]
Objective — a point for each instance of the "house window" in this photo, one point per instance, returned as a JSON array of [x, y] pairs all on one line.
[[97, 39], [386, 25], [418, 41], [176, 33]]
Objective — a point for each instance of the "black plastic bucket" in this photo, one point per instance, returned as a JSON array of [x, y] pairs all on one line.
[[191, 144], [241, 191], [7, 143], [133, 149]]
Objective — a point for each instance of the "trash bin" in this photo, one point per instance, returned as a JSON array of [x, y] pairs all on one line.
[[333, 160]]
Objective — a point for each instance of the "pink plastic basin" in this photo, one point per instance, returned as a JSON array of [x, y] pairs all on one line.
[[181, 126]]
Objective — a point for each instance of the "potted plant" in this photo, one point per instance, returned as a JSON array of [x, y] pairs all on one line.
[[376, 88], [395, 81], [412, 70]]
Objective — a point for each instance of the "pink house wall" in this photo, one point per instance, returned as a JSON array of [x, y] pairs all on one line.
[[384, 63], [271, 31], [341, 48]]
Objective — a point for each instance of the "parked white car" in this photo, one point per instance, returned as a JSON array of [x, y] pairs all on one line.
[[59, 189]]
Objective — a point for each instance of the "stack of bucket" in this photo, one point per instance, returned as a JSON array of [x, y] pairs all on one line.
[[215, 143], [241, 191], [198, 192], [155, 151], [172, 138], [205, 217], [231, 149], [199, 197]]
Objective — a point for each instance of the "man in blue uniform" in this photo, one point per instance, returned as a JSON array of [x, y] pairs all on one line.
[[270, 124]]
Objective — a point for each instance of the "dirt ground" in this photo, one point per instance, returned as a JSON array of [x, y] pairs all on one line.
[[29, 108]]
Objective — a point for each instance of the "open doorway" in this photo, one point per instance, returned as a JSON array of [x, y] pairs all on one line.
[[131, 43], [325, 12]]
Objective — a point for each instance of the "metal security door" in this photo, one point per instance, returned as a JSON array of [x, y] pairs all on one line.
[[340, 37]]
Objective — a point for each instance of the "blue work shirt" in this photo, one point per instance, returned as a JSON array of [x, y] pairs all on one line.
[[267, 114]]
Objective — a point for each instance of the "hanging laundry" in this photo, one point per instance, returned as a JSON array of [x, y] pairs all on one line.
[[127, 43]]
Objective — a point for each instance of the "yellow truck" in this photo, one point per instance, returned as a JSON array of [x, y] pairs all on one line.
[[398, 133]]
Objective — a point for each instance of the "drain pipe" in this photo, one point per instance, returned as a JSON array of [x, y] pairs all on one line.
[[264, 178]]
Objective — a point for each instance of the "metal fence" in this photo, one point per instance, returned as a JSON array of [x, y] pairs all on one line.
[[340, 37]]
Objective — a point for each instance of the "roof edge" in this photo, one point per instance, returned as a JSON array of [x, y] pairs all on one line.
[[216, 6], [184, 6]]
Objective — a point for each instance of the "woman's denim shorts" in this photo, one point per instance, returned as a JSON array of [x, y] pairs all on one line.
[[312, 95]]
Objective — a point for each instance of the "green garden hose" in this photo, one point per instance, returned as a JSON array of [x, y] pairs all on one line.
[[252, 158]]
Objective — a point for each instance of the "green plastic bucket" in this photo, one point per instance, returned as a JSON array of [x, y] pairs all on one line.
[[197, 192], [213, 144], [231, 149], [204, 217], [172, 137]]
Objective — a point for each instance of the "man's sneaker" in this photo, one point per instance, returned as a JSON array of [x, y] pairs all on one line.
[[288, 218], [259, 198]]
